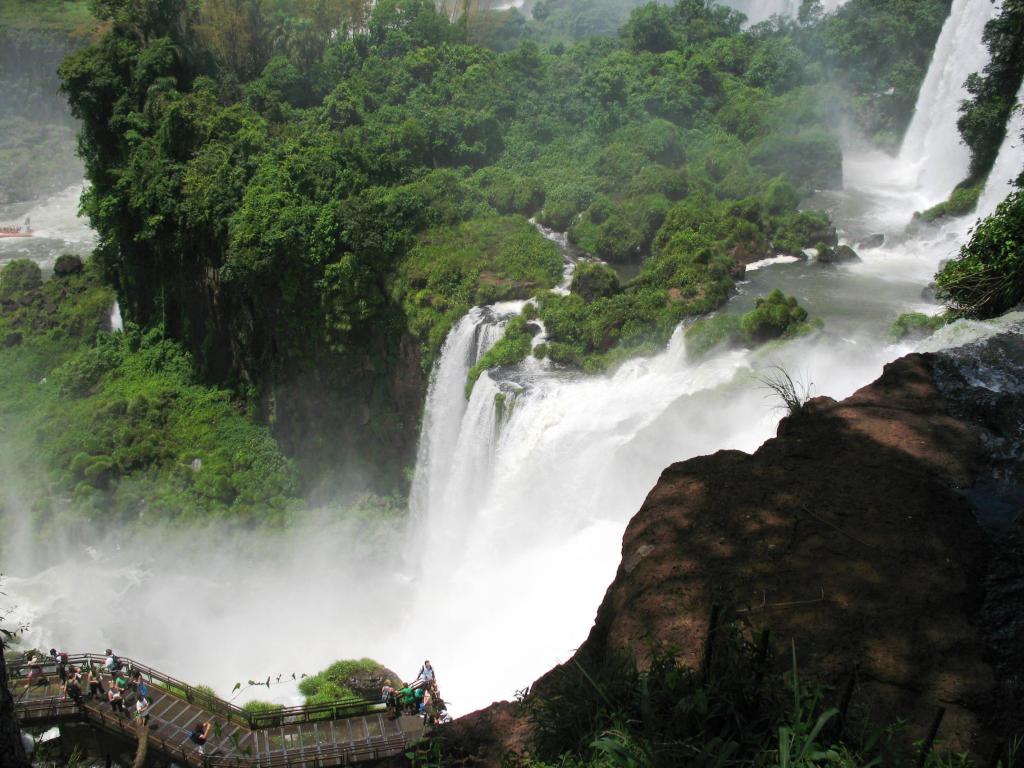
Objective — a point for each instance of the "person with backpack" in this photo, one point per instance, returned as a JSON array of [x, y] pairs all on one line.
[[113, 663], [141, 686], [72, 689], [199, 734]]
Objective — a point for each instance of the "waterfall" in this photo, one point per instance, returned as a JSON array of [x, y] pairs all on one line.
[[1009, 162], [932, 151], [521, 494], [523, 526], [116, 323], [446, 403]]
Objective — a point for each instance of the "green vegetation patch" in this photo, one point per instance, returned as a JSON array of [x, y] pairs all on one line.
[[483, 260], [987, 278], [340, 680], [916, 325], [592, 280], [20, 276], [120, 421], [258, 707], [961, 201], [775, 316], [511, 348]]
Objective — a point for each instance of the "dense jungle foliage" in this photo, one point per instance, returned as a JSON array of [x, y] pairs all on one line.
[[305, 194], [987, 277], [125, 430]]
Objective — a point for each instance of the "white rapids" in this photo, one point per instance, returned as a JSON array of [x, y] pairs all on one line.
[[521, 494]]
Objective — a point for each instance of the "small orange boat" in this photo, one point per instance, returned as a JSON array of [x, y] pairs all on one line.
[[15, 231]]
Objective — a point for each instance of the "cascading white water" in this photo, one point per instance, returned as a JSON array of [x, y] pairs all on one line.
[[520, 501], [466, 343], [538, 521], [116, 323], [1007, 166], [932, 150]]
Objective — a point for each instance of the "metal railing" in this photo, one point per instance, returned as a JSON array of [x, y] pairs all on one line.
[[51, 710], [333, 710]]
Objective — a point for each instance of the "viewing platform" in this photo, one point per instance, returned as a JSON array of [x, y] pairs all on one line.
[[338, 733]]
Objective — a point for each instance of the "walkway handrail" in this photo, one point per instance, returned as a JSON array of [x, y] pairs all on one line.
[[333, 710]]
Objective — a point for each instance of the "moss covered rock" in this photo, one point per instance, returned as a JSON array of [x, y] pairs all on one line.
[[593, 280]]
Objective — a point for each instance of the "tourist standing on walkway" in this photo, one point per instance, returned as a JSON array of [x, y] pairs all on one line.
[[72, 689], [35, 669], [199, 734], [114, 697], [142, 709], [95, 684], [140, 686]]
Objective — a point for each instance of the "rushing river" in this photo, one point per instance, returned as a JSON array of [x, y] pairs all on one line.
[[56, 227], [517, 511]]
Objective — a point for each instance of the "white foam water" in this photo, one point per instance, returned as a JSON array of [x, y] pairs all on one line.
[[932, 151], [1007, 166], [521, 493]]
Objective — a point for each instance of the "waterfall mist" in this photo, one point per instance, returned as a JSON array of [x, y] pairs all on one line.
[[521, 492]]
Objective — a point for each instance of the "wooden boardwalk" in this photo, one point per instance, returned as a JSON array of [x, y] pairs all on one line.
[[321, 736]]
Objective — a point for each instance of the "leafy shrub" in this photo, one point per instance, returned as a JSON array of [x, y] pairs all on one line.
[[916, 325], [564, 203], [18, 276], [987, 278], [593, 280], [67, 264], [333, 684], [773, 317], [793, 232], [81, 373], [509, 192], [961, 201]]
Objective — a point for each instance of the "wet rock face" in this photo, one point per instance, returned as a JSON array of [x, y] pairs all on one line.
[[872, 241], [984, 384], [838, 255], [852, 536]]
